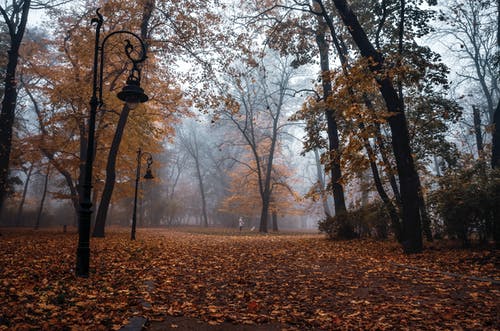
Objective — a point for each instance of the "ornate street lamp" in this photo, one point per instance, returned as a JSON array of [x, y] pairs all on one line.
[[132, 94], [148, 175]]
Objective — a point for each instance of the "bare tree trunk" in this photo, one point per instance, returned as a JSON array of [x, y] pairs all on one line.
[[426, 221], [393, 214], [436, 166], [202, 193], [477, 132], [495, 151], [42, 201], [109, 184], [379, 140], [264, 213], [364, 188], [23, 198], [275, 221], [321, 181]]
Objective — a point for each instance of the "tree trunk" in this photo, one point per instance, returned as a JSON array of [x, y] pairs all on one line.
[[408, 177], [333, 136], [393, 214], [42, 201], [102, 212], [49, 154], [321, 181], [7, 122], [23, 198], [202, 193], [264, 213], [426, 221], [275, 221], [477, 131], [67, 178], [364, 188], [495, 150], [9, 102], [436, 166], [343, 56], [379, 140], [109, 184]]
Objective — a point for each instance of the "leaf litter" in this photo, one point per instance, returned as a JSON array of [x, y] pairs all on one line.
[[298, 282]]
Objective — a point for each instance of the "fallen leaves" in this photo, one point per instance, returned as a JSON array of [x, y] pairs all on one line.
[[301, 282]]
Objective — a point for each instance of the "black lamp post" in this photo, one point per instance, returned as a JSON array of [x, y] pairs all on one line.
[[132, 94], [148, 175]]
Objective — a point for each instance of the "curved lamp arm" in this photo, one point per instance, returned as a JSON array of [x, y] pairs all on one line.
[[135, 74]]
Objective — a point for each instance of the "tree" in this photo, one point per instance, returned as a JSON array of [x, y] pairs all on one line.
[[256, 107], [15, 17], [473, 26], [61, 93], [408, 177], [42, 200], [109, 184], [333, 136], [191, 143], [495, 150]]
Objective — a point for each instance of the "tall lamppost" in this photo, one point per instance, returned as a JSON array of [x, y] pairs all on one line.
[[148, 175], [132, 94]]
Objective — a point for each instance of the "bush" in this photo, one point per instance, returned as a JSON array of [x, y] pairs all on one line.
[[468, 202], [367, 221]]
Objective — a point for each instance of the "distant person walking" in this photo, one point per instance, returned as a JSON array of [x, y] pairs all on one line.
[[241, 222]]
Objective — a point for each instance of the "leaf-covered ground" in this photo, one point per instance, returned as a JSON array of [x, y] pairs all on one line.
[[280, 281]]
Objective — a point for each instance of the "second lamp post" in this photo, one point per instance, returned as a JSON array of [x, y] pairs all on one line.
[[148, 175]]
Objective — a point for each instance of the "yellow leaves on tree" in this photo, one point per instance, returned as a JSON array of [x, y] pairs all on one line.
[[58, 74], [245, 198]]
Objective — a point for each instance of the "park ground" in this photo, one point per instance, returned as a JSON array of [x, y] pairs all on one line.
[[220, 279]]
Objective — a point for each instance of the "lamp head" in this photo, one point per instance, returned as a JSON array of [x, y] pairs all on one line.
[[132, 93], [149, 174]]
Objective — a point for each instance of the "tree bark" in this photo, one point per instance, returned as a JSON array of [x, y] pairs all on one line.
[[100, 220], [426, 221], [477, 131], [333, 136], [275, 221], [321, 181], [408, 177], [202, 191], [42, 201], [9, 102], [495, 151], [393, 213], [23, 198], [264, 215], [109, 184]]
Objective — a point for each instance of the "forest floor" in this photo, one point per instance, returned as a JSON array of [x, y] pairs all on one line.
[[186, 279]]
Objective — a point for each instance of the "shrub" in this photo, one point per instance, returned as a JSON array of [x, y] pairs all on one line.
[[467, 202], [367, 221]]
